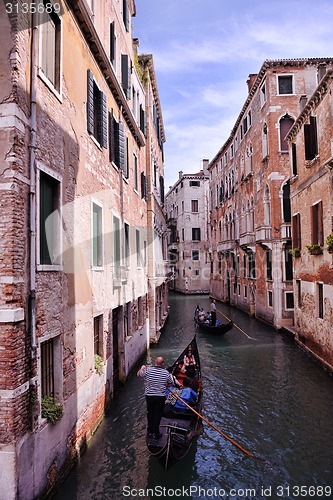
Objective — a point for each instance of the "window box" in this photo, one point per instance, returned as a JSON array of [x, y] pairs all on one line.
[[329, 243], [315, 249], [295, 252]]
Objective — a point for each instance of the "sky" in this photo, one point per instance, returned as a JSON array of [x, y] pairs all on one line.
[[203, 52]]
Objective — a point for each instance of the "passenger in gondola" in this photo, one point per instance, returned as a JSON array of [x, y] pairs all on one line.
[[188, 360], [188, 395], [193, 380], [197, 311]]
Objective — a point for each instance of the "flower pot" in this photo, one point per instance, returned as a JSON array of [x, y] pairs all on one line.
[[316, 251]]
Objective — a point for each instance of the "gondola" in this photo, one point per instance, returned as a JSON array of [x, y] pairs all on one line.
[[218, 329], [178, 429]]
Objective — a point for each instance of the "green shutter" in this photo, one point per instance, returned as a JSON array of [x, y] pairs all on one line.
[[104, 122], [112, 155], [112, 44]]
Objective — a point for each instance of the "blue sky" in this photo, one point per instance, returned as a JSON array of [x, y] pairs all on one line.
[[203, 52]]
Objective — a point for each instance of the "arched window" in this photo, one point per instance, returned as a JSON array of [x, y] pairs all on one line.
[[285, 123]]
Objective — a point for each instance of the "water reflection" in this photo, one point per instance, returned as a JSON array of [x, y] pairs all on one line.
[[265, 393]]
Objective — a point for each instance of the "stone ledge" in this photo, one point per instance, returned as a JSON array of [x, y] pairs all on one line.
[[11, 315]]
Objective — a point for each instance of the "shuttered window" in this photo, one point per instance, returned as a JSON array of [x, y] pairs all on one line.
[[50, 27], [142, 120], [317, 230], [47, 368], [296, 231], [97, 236], [126, 75], [144, 186], [96, 111], [310, 139], [112, 43], [269, 265], [294, 158], [126, 14], [285, 124]]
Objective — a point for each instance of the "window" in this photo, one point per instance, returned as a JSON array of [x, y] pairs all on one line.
[[252, 265], [286, 123], [135, 172], [138, 248], [197, 272], [294, 159], [285, 84], [288, 262], [269, 275], [317, 230], [127, 244], [126, 75], [286, 202], [96, 112], [112, 44], [126, 16], [196, 236], [49, 221], [116, 247], [144, 186], [289, 298], [127, 320], [118, 153], [50, 27], [126, 160], [270, 298], [47, 368], [97, 236], [194, 183], [195, 254], [310, 139], [98, 335], [296, 231], [195, 206], [320, 296]]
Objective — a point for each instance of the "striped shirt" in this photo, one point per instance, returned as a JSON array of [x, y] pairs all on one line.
[[157, 379]]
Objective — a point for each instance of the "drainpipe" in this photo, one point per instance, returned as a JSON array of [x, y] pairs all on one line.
[[32, 194]]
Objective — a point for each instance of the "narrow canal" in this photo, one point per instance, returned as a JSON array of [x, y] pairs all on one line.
[[263, 391]]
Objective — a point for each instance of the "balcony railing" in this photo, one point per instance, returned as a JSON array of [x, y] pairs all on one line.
[[286, 231], [263, 233], [225, 246], [247, 239]]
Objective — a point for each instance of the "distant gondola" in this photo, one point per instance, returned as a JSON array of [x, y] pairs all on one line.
[[207, 327], [178, 429]]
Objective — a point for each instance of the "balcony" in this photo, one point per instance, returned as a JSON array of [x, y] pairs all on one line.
[[226, 246], [263, 233], [286, 231], [247, 239]]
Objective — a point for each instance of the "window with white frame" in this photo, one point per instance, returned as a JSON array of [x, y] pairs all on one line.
[[285, 84], [49, 192], [98, 335], [195, 254], [50, 47], [263, 95], [116, 246], [289, 300]]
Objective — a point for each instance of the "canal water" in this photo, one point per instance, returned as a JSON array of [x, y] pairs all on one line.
[[263, 392]]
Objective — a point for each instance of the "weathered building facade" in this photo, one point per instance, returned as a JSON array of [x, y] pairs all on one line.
[[250, 217], [76, 234], [311, 192], [187, 215]]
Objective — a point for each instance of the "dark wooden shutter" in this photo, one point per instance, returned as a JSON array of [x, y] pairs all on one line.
[[313, 136], [296, 231], [162, 188], [126, 14], [142, 120], [294, 158], [104, 122], [142, 185], [112, 44], [90, 102], [112, 154], [320, 224], [146, 188], [126, 75], [285, 125], [307, 142]]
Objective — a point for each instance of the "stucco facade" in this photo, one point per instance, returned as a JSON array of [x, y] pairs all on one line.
[[311, 192], [187, 212], [250, 218], [76, 235]]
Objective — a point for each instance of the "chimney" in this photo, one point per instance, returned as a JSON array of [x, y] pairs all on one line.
[[250, 81], [205, 164], [180, 174]]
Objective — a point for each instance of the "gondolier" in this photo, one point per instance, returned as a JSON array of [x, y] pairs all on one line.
[[213, 313], [157, 379]]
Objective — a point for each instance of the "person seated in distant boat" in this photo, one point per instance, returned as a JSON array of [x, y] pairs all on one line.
[[188, 395], [197, 311], [188, 360]]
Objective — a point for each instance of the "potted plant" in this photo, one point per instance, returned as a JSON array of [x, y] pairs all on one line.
[[98, 364], [51, 410], [315, 249], [329, 243], [295, 252]]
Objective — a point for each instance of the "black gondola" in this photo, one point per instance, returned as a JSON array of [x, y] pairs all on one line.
[[218, 329], [178, 429]]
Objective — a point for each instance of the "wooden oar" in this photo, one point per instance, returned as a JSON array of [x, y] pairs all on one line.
[[246, 335], [216, 429]]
